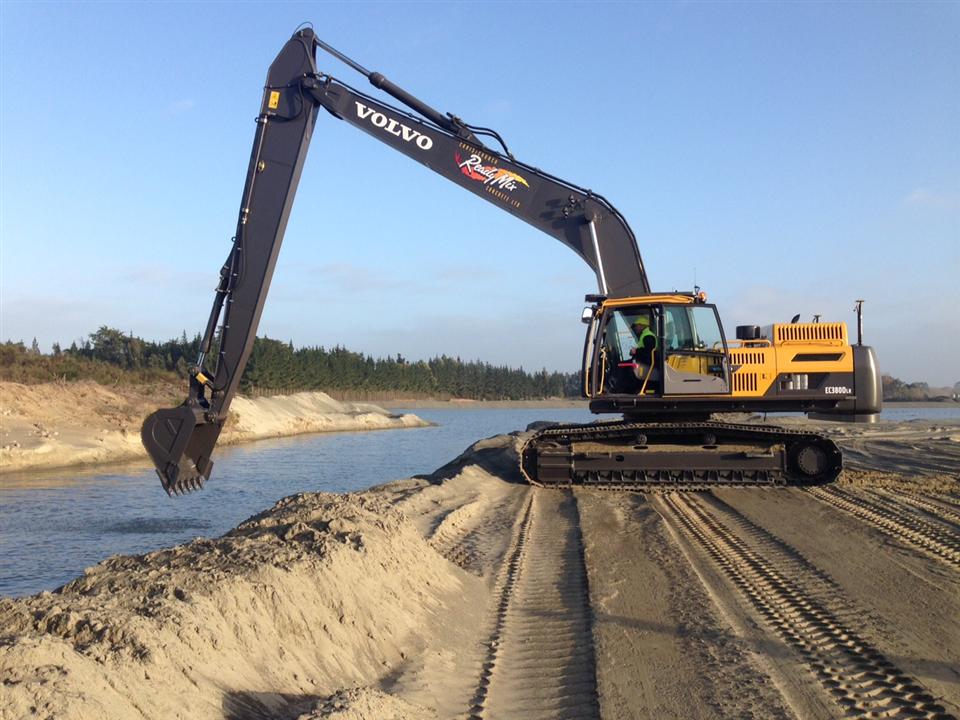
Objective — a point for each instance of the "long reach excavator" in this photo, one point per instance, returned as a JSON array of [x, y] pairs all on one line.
[[660, 360]]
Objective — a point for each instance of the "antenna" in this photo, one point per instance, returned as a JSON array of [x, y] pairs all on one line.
[[858, 309]]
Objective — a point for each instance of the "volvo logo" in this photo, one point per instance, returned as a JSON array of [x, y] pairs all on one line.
[[394, 127]]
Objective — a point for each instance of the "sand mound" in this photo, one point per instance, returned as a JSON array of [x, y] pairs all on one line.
[[307, 412], [61, 424], [320, 593]]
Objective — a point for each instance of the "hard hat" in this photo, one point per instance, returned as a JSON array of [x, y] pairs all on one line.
[[642, 320]]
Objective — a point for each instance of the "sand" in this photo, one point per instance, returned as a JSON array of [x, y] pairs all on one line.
[[468, 594], [55, 425]]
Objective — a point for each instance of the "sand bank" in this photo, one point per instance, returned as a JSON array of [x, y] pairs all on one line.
[[58, 425]]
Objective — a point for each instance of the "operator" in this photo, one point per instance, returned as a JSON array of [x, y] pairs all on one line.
[[646, 339], [642, 354]]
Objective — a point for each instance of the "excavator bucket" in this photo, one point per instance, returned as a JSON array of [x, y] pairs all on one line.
[[180, 441]]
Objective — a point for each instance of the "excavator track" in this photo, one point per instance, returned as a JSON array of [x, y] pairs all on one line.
[[678, 456]]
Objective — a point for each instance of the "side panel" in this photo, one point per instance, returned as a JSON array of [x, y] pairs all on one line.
[[804, 360]]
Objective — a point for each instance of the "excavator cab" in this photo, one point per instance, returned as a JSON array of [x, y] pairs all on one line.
[[655, 346]]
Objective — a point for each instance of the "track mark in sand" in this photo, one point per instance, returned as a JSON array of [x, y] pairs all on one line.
[[907, 528], [452, 536], [948, 498], [540, 661], [929, 504], [504, 589], [858, 677], [473, 535]]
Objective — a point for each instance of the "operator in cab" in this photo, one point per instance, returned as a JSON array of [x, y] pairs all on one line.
[[645, 336], [646, 339]]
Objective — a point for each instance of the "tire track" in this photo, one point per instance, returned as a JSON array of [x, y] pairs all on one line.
[[855, 675], [540, 661], [911, 530]]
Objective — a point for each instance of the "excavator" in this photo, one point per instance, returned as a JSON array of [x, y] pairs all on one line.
[[659, 360]]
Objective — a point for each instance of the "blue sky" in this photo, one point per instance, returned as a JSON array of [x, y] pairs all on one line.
[[789, 157]]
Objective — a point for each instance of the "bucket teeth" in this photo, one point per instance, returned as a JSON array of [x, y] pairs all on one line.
[[181, 485]]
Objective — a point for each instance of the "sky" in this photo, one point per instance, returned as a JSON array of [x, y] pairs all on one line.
[[787, 158]]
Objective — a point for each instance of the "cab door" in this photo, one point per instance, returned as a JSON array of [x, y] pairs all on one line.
[[694, 351], [616, 368]]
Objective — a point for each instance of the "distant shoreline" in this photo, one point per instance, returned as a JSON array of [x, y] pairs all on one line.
[[466, 404], [56, 426]]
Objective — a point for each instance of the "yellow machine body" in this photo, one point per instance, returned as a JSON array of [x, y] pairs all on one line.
[[805, 367]]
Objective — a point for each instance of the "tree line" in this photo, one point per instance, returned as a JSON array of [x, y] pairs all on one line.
[[896, 389], [274, 365], [277, 365]]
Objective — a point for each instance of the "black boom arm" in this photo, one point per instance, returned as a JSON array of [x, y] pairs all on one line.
[[180, 440]]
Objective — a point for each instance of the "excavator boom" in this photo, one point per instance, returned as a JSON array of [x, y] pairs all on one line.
[[180, 441]]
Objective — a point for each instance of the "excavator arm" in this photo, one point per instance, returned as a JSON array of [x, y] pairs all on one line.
[[180, 441]]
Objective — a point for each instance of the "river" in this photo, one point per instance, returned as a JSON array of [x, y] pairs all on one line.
[[54, 524]]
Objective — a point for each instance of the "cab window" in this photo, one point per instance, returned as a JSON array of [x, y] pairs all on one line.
[[691, 329], [706, 329], [622, 334], [677, 331]]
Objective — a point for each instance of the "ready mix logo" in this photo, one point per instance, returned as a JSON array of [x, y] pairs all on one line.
[[500, 182]]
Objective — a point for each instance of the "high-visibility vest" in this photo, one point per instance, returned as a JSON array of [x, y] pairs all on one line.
[[643, 336]]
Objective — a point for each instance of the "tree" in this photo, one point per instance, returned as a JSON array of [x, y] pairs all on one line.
[[109, 345]]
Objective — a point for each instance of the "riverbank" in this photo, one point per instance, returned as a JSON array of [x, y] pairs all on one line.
[[440, 596], [55, 425]]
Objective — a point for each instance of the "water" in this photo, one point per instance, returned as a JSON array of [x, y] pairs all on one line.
[[900, 414], [53, 525]]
